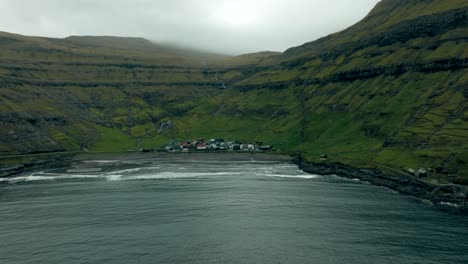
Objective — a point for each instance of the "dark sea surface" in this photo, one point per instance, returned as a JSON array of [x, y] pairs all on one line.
[[197, 211]]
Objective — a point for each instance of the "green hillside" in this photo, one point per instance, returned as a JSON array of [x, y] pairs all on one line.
[[389, 92]]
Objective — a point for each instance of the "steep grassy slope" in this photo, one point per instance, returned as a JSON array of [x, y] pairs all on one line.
[[388, 92], [102, 93], [53, 90]]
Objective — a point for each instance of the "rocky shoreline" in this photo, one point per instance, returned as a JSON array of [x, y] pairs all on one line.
[[34, 165], [448, 194]]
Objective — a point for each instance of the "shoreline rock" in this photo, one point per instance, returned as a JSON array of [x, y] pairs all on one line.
[[447, 194], [35, 165]]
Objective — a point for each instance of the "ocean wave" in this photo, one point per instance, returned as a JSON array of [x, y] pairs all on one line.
[[100, 161], [346, 179], [85, 170], [50, 177], [166, 175], [309, 176], [114, 177], [119, 175], [134, 170], [217, 162], [449, 204]]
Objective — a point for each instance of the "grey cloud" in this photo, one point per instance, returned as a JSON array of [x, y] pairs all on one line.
[[230, 26]]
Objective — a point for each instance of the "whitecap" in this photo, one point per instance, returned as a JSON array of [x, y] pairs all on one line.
[[114, 177], [166, 175], [29, 178], [449, 204], [308, 176], [49, 177], [100, 161], [126, 171], [85, 170], [337, 177]]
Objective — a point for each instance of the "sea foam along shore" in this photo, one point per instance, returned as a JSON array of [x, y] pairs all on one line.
[[456, 195], [12, 167]]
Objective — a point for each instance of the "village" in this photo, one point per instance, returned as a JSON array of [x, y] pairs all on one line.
[[216, 145]]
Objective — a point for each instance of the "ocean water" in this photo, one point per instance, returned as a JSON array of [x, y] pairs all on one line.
[[197, 211]]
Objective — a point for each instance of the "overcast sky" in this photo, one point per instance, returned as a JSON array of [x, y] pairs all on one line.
[[228, 26]]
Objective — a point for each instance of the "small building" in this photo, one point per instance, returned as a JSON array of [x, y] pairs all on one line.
[[214, 146], [234, 147], [185, 146], [172, 147], [147, 150], [223, 146], [244, 147], [422, 173], [202, 146], [265, 147], [323, 157]]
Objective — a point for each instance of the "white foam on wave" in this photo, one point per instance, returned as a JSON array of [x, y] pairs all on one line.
[[216, 162], [346, 179], [100, 161], [120, 175], [85, 170], [165, 175], [449, 204], [286, 166], [113, 177], [162, 175], [26, 179], [308, 176], [49, 177], [128, 171]]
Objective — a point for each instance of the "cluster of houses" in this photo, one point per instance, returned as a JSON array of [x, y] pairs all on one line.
[[216, 145]]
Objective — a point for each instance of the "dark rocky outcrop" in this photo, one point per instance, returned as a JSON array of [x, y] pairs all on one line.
[[40, 163], [402, 183]]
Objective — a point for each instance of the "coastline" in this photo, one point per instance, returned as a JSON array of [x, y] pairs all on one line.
[[447, 194], [25, 164]]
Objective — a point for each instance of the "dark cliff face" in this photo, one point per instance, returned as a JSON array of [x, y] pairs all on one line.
[[389, 90], [404, 184]]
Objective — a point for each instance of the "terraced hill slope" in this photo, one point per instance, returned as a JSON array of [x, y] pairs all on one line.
[[102, 93], [388, 92]]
